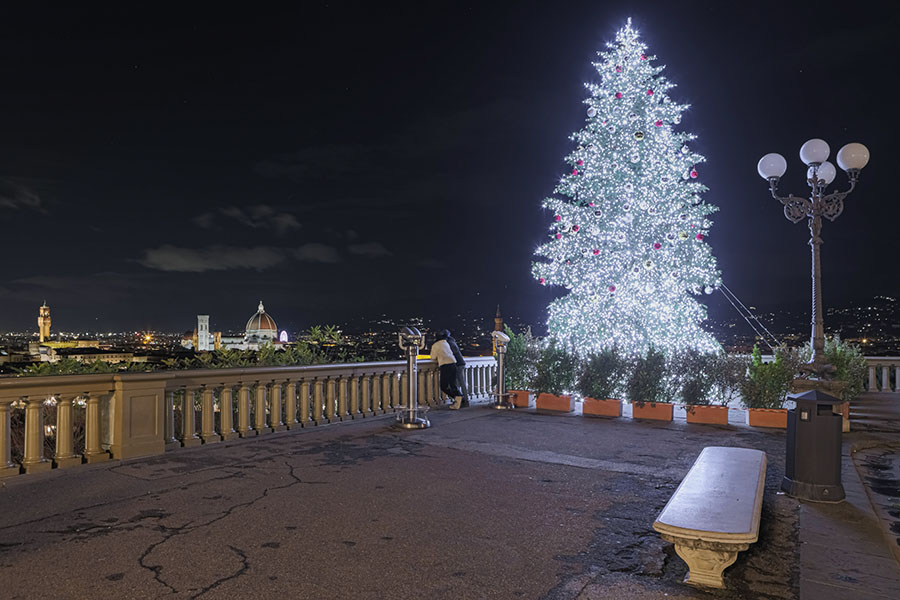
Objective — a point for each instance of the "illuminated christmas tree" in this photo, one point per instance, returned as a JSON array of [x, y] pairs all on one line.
[[628, 235]]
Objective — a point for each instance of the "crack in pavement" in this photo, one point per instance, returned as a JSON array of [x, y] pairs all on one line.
[[245, 566], [170, 533]]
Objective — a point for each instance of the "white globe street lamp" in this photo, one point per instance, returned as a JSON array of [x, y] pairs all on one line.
[[814, 153]]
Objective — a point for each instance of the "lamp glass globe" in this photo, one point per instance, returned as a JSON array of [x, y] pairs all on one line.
[[826, 172], [853, 156], [814, 151], [771, 165]]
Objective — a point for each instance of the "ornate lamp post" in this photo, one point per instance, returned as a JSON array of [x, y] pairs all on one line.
[[814, 153]]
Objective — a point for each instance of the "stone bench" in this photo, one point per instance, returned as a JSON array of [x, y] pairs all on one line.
[[714, 513]]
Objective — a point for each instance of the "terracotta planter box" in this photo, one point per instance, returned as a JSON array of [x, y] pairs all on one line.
[[658, 411], [767, 417], [592, 407], [555, 403], [520, 398], [707, 415]]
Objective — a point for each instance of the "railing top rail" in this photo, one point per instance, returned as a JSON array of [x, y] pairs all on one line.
[[102, 382]]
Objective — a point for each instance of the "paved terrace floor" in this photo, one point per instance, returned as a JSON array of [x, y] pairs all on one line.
[[485, 504]]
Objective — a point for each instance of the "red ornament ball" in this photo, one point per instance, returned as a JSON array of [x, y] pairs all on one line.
[[590, 203], [612, 288], [619, 95], [596, 251], [574, 171], [658, 123], [700, 236], [643, 57], [542, 281], [575, 227], [657, 246], [618, 68], [580, 162], [694, 173], [649, 92], [558, 235], [557, 218]]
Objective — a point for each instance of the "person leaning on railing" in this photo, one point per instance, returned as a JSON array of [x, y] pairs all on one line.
[[443, 354]]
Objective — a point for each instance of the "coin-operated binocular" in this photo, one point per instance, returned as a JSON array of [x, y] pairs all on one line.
[[500, 342], [411, 341]]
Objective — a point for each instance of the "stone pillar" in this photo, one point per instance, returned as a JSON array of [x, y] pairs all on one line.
[[188, 423], [873, 383], [208, 416], [318, 402], [422, 387], [290, 405], [366, 398], [404, 389], [34, 461], [93, 450], [169, 424], [376, 394], [65, 453], [329, 400], [342, 399], [261, 426], [7, 467], [304, 403], [885, 379], [226, 413], [395, 390], [354, 397], [244, 412], [275, 415]]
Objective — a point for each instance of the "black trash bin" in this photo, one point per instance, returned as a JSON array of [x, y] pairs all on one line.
[[812, 469]]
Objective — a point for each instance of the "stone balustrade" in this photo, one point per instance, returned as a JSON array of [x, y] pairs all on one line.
[[128, 415], [882, 370]]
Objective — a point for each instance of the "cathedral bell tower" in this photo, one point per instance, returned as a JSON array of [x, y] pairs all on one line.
[[44, 322]]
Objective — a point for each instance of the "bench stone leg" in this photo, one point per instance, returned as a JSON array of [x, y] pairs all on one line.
[[706, 560]]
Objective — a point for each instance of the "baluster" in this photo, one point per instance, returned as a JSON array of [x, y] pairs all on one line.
[[34, 461], [226, 413], [275, 419], [395, 390], [208, 416], [885, 379], [93, 451], [354, 397], [329, 400], [318, 402], [376, 394], [366, 399], [188, 420], [404, 389], [261, 427], [422, 389], [304, 403], [65, 452], [873, 384], [7, 467], [244, 412], [169, 425], [290, 405], [342, 399]]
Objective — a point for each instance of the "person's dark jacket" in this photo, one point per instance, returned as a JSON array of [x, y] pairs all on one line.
[[454, 347]]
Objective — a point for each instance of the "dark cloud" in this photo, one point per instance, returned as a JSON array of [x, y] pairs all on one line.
[[212, 258], [258, 216], [371, 249], [16, 195], [320, 253]]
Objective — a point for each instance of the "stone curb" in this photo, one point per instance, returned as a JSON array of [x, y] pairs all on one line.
[[858, 446]]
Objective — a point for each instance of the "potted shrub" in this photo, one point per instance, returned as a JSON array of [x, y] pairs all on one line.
[[599, 378], [555, 375], [850, 367], [647, 387], [696, 386], [765, 388], [522, 354]]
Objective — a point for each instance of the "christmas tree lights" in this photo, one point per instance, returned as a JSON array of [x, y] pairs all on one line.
[[628, 232]]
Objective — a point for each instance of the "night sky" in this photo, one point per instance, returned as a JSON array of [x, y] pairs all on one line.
[[339, 161]]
